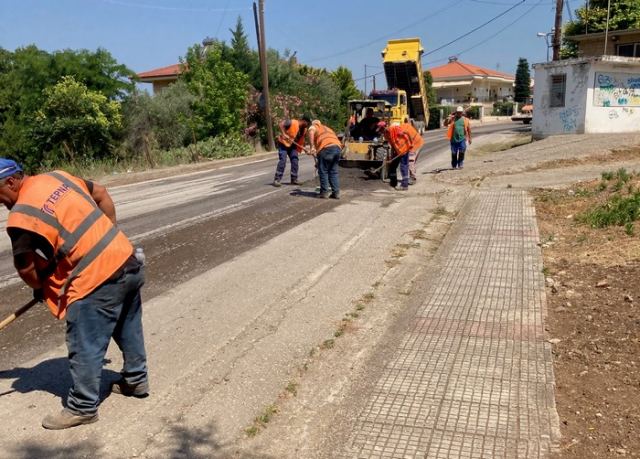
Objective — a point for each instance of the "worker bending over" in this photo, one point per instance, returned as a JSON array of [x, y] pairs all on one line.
[[68, 249], [401, 144], [326, 147], [416, 146], [290, 144]]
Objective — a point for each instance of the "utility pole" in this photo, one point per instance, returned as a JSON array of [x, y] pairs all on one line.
[[374, 82], [262, 49], [365, 81], [557, 36], [606, 32]]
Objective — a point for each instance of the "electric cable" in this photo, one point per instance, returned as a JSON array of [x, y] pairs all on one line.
[[382, 37], [170, 8]]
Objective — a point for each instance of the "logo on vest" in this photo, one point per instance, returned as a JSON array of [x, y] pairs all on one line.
[[49, 204]]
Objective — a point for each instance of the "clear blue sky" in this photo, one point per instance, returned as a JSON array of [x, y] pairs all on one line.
[[145, 34]]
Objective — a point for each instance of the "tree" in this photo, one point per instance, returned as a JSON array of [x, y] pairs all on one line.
[[77, 122], [220, 91], [522, 91], [241, 56], [431, 92], [27, 72], [624, 14]]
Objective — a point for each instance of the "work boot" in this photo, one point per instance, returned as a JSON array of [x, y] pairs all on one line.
[[295, 182], [137, 390], [276, 183], [335, 195], [323, 195], [66, 419], [412, 181], [403, 188]]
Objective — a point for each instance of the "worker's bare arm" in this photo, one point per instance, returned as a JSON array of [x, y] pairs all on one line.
[[103, 199]]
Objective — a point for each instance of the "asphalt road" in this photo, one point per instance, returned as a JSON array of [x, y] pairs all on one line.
[[191, 223]]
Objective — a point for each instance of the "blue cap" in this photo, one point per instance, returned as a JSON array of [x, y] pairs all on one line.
[[8, 167]]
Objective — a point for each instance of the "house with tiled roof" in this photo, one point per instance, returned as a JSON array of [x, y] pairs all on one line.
[[161, 77], [461, 83]]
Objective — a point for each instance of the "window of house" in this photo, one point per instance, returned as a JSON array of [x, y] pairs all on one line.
[[558, 90], [629, 50]]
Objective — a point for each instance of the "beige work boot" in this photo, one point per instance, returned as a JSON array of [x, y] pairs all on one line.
[[66, 419], [122, 388]]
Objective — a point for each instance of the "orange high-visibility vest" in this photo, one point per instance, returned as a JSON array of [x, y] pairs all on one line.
[[399, 140], [416, 139], [87, 247], [450, 127], [294, 136], [325, 137]]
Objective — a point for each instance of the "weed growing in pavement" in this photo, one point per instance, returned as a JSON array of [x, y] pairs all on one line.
[[623, 175], [602, 186], [251, 431], [267, 415], [368, 297], [338, 333], [292, 388], [440, 210], [359, 307], [545, 271], [328, 344]]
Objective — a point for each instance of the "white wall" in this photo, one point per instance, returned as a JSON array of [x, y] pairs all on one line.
[[613, 100], [602, 96], [569, 119]]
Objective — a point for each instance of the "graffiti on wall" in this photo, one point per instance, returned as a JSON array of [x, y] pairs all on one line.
[[569, 119], [616, 90]]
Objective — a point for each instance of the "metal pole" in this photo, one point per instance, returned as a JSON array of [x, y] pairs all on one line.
[[546, 39], [374, 82], [606, 32], [365, 81], [265, 79], [557, 37]]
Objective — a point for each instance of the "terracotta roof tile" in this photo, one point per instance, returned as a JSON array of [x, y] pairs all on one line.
[[459, 69], [168, 71]]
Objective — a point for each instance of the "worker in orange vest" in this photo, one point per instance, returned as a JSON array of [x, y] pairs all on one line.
[[417, 142], [290, 144], [67, 247], [458, 133], [326, 147], [401, 144]]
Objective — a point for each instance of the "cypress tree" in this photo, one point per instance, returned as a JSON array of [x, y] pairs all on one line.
[[522, 91]]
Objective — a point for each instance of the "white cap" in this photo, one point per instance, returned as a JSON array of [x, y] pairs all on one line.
[[395, 123], [460, 109]]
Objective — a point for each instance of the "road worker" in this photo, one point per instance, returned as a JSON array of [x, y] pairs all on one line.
[[68, 249], [326, 147], [367, 127], [416, 146], [459, 134], [290, 144], [401, 144]]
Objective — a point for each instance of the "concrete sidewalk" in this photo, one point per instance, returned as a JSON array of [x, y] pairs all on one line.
[[473, 375]]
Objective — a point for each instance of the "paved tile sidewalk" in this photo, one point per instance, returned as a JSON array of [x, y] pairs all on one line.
[[473, 377]]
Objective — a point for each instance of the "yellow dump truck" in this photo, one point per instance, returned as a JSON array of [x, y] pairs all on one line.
[[407, 91]]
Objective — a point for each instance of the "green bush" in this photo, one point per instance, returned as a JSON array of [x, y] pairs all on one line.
[[617, 210], [220, 147], [502, 109]]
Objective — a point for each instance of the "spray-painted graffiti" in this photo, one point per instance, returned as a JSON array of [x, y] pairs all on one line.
[[569, 119], [617, 90], [613, 114]]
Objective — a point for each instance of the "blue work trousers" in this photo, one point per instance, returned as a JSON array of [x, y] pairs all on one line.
[[112, 310], [457, 153], [403, 162], [292, 153], [328, 159]]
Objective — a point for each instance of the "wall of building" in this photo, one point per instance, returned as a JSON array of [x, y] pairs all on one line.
[[480, 90], [570, 118], [588, 48], [602, 96], [613, 98]]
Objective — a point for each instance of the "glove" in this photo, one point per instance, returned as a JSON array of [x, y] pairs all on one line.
[[38, 294]]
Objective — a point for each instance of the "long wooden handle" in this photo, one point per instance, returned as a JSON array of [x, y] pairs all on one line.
[[21, 310]]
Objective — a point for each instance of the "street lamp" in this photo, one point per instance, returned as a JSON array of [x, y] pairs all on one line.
[[546, 39]]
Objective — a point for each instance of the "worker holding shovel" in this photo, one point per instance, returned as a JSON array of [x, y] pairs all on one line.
[[67, 247]]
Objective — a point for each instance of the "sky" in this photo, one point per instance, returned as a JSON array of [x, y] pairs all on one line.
[[146, 34]]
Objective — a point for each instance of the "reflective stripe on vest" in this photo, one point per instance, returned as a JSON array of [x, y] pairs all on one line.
[[87, 247], [398, 140], [325, 137]]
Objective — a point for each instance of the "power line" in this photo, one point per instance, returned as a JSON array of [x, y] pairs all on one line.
[[475, 29], [224, 13], [394, 33], [490, 37], [170, 8]]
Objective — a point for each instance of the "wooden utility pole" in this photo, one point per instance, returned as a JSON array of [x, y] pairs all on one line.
[[265, 76], [557, 33]]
